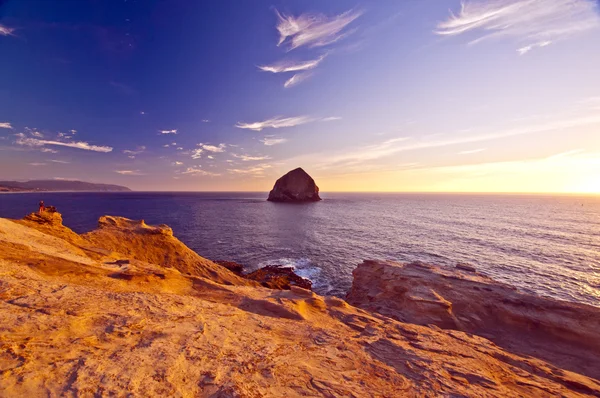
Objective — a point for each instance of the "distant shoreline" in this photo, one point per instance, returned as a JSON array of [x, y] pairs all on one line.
[[570, 194], [63, 191]]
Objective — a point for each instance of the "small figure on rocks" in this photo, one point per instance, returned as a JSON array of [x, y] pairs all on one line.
[[42, 207]]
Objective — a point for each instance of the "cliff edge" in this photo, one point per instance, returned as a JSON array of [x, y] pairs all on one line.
[[121, 311], [561, 333]]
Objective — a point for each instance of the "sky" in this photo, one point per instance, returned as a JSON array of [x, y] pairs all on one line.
[[387, 95]]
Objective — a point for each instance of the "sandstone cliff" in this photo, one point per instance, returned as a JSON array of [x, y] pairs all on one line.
[[566, 335], [295, 186], [93, 315]]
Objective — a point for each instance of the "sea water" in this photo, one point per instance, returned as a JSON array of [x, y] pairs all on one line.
[[548, 245]]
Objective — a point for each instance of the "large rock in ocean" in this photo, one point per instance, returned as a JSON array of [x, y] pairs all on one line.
[[295, 186]]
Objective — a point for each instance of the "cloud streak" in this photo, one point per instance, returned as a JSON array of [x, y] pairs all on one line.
[[256, 171], [534, 22], [271, 140], [34, 142], [248, 158], [133, 153], [6, 31], [280, 122], [296, 79], [197, 171], [275, 123], [313, 30], [129, 172], [213, 148], [374, 152], [291, 66], [174, 131], [197, 153], [5, 125]]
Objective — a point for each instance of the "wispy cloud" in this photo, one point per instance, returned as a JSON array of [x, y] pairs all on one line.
[[34, 142], [292, 66], [129, 172], [526, 49], [565, 154], [248, 158], [5, 125], [313, 30], [331, 118], [133, 153], [256, 171], [197, 153], [6, 31], [271, 140], [37, 164], [534, 22], [471, 151], [49, 150], [296, 79], [59, 161], [275, 123], [374, 152], [213, 148], [174, 131], [199, 172], [177, 163], [368, 152]]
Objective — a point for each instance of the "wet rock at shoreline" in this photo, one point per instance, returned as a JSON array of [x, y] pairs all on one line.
[[231, 266], [295, 186], [275, 277]]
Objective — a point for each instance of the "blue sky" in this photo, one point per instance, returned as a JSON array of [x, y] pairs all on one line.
[[427, 95]]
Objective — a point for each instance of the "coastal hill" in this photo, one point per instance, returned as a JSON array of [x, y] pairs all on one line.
[[127, 309], [58, 185]]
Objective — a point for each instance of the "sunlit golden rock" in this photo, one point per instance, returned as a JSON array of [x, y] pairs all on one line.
[[122, 311]]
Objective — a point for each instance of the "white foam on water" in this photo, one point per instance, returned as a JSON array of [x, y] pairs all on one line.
[[302, 267]]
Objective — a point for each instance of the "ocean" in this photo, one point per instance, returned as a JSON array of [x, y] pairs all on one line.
[[547, 245]]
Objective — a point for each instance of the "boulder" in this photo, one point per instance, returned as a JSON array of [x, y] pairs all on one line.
[[295, 186], [276, 277], [231, 266], [48, 216]]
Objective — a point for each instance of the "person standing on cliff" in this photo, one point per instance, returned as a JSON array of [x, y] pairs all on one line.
[[42, 207]]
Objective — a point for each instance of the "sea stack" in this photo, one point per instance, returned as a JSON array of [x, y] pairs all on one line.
[[295, 186]]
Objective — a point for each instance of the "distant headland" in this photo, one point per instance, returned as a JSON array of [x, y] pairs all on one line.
[[58, 185]]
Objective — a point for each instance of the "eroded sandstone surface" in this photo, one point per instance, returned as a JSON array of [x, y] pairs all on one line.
[[127, 310], [566, 335]]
